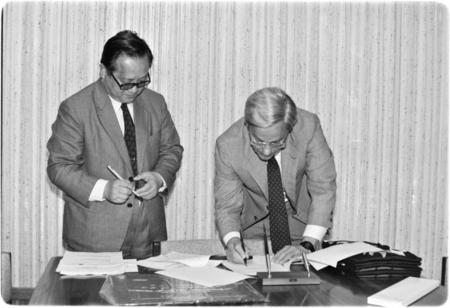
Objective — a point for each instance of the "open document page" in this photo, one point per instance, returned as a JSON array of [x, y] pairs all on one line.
[[256, 264], [207, 276], [175, 259], [95, 263]]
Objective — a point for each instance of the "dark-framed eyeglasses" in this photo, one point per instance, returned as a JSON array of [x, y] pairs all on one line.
[[130, 85]]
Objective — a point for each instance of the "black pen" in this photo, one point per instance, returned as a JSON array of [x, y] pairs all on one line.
[[243, 247]]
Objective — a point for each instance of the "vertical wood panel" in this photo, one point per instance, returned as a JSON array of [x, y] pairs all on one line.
[[376, 73]]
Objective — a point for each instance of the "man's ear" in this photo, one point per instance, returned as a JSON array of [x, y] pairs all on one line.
[[103, 71]]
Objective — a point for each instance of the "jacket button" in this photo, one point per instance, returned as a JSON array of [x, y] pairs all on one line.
[[129, 205]]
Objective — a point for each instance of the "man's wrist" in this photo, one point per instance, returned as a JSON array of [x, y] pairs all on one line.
[[229, 236], [308, 245]]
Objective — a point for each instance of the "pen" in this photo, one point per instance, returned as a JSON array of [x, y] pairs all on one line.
[[267, 253], [243, 247], [117, 175], [114, 172], [305, 262]]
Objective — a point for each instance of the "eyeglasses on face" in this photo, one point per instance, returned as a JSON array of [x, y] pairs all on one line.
[[261, 144], [130, 85]]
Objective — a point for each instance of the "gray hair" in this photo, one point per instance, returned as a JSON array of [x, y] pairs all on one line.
[[269, 106]]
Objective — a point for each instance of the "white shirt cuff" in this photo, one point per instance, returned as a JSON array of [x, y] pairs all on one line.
[[230, 235], [97, 191], [314, 231]]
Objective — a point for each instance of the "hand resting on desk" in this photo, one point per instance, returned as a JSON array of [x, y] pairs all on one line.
[[294, 252]]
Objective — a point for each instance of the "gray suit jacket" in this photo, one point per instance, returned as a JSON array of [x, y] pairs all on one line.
[[86, 138], [308, 176]]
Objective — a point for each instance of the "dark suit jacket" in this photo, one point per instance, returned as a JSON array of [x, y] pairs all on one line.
[[308, 175], [86, 138]]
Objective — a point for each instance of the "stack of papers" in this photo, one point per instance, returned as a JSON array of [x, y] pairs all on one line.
[[95, 263]]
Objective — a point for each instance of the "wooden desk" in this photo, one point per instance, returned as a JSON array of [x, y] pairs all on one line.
[[334, 289]]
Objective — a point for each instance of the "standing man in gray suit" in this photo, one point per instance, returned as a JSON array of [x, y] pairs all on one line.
[[115, 122], [274, 139]]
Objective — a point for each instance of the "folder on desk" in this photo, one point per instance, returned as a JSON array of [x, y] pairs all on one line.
[[403, 292]]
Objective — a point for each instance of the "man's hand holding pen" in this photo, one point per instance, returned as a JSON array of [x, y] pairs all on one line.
[[147, 185], [236, 252], [118, 191]]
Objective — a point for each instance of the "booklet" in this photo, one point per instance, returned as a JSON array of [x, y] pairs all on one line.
[[403, 292]]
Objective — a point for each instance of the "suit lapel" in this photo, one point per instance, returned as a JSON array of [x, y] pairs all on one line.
[[108, 120], [142, 124], [256, 167], [291, 161], [289, 167]]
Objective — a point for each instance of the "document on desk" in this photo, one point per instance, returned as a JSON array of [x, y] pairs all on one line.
[[206, 276], [256, 264], [94, 263], [332, 255], [175, 259]]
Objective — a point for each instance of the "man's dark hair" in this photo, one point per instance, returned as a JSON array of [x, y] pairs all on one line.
[[125, 42]]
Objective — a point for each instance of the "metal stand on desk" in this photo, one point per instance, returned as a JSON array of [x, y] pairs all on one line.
[[287, 278]]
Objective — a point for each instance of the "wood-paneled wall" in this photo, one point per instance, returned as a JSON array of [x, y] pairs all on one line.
[[376, 74]]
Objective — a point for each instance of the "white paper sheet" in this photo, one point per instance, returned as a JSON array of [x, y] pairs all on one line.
[[130, 265], [404, 292], [257, 264], [176, 259], [332, 255], [92, 263], [79, 257], [207, 276]]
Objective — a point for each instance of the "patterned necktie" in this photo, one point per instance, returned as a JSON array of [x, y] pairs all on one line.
[[279, 226], [130, 137]]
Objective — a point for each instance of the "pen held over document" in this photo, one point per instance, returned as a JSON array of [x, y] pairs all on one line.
[[117, 175]]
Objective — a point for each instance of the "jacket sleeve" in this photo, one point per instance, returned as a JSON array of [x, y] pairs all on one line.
[[321, 178], [170, 151], [227, 193], [65, 166]]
